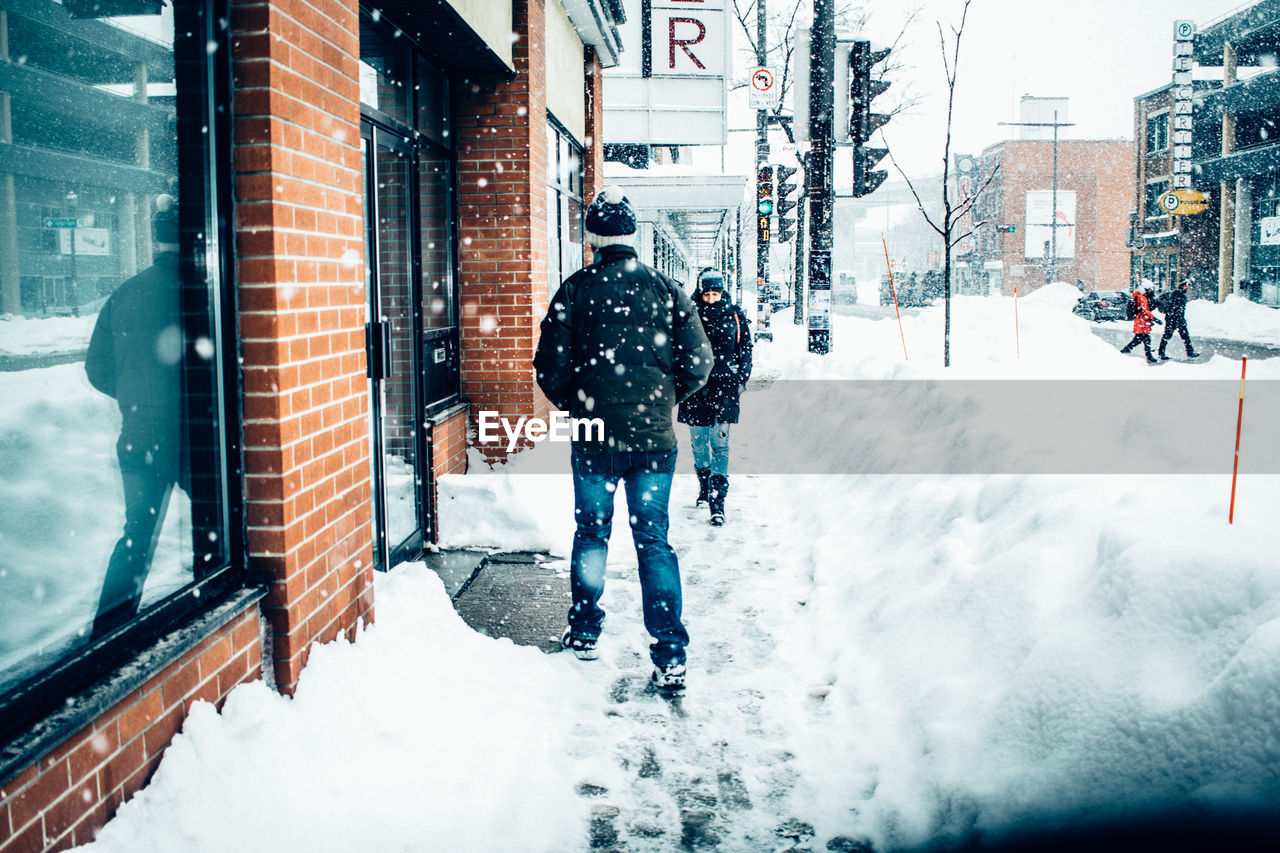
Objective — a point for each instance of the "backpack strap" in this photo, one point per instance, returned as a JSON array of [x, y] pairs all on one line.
[[739, 326]]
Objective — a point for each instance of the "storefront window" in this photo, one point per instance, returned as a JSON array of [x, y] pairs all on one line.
[[564, 206], [112, 476], [1151, 202]]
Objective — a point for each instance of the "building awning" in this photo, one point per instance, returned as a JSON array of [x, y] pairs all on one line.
[[445, 37], [597, 24], [1164, 238], [1263, 160], [1252, 32], [697, 207]]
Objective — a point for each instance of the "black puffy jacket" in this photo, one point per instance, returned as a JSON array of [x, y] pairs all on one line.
[[717, 402], [622, 342]]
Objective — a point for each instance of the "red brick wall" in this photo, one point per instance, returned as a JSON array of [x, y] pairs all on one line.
[[63, 799], [448, 454], [502, 219], [593, 145], [1100, 174], [302, 299]]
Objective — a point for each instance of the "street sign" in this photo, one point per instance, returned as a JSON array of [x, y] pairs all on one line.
[[1183, 89], [1184, 202], [64, 222], [764, 89]]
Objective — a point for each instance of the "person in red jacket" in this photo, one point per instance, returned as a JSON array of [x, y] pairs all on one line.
[[1142, 320]]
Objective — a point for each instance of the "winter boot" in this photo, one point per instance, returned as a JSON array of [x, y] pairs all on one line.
[[704, 475], [669, 676], [719, 484], [583, 648]]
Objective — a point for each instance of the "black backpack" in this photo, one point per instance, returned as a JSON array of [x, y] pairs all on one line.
[[1131, 310]]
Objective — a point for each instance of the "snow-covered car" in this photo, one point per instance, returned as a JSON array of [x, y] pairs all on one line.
[[1099, 305]]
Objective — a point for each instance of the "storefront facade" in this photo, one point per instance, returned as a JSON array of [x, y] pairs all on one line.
[[1235, 150], [259, 262]]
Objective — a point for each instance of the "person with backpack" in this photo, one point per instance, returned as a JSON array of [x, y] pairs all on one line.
[[623, 343], [1139, 311], [710, 411], [1175, 315]]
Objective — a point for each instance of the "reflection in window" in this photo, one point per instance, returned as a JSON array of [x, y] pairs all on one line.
[[109, 437]]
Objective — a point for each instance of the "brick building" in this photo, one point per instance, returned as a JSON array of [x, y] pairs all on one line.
[[1094, 198], [1166, 248], [371, 208]]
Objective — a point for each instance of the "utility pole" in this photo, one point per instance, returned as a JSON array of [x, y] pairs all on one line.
[[818, 177], [1052, 270], [763, 305], [797, 291]]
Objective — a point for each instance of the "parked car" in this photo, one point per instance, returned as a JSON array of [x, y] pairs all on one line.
[[1099, 305]]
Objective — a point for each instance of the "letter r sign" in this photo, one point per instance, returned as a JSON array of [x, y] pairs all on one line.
[[684, 33]]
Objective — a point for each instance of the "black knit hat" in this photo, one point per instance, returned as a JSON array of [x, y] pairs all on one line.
[[164, 223], [611, 214], [711, 280]]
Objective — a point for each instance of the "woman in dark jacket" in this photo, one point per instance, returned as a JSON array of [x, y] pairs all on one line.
[[710, 411]]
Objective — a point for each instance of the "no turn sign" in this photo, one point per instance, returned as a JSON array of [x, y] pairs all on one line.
[[764, 89]]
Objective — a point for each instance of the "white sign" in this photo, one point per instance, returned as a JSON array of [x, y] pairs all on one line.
[[764, 89], [1270, 230], [1040, 231], [671, 84], [1184, 30], [89, 241]]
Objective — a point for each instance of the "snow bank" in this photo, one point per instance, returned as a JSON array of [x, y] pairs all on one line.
[[31, 336], [1236, 318], [409, 739]]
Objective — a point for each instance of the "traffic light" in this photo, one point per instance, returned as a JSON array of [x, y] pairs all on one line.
[[786, 225], [862, 122], [764, 202]]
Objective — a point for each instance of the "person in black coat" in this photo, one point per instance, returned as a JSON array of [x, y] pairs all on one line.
[[710, 411], [1175, 320], [135, 357], [622, 342]]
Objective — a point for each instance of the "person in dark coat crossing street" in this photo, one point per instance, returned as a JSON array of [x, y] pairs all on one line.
[[1175, 320], [622, 342], [711, 411]]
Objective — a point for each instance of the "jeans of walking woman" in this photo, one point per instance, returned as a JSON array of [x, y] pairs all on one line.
[[711, 448]]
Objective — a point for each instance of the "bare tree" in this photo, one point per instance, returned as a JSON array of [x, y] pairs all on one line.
[[953, 228]]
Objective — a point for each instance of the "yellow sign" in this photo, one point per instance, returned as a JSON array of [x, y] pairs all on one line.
[[1184, 202]]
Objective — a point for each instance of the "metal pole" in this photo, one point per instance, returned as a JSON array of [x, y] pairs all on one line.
[[822, 54], [798, 290], [763, 306], [1053, 232]]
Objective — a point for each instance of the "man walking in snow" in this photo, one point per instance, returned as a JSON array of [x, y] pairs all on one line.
[[1175, 320], [622, 342]]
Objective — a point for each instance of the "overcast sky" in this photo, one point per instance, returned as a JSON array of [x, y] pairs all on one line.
[[1099, 53]]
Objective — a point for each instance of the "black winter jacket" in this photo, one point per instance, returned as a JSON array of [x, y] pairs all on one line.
[[717, 402], [1175, 309], [622, 342]]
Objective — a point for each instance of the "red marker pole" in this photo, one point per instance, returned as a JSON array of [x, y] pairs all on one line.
[[1235, 466], [1017, 342], [894, 291]]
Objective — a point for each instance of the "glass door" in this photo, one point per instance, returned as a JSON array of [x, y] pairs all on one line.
[[394, 368]]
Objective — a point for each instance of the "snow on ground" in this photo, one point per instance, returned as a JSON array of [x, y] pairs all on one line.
[[32, 336], [874, 658]]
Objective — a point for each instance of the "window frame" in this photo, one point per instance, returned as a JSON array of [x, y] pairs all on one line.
[[1158, 119], [558, 191], [32, 724], [1147, 201]]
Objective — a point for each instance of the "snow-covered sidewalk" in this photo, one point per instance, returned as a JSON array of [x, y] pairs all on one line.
[[886, 659]]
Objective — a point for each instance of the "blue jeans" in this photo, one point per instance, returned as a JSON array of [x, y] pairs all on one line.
[[711, 448], [647, 480]]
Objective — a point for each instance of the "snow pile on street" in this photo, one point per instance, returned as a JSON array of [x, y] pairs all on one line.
[[1236, 318], [892, 660], [32, 336], [422, 735]]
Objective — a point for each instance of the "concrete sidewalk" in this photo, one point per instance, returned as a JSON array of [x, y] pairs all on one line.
[[510, 594]]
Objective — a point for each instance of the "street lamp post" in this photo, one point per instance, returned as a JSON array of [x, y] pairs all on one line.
[[73, 202], [1053, 214]]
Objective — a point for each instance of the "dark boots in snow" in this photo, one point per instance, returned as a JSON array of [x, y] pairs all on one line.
[[704, 475], [719, 487]]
